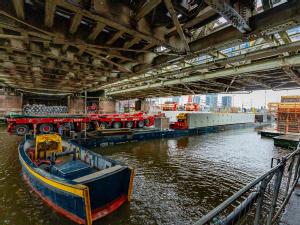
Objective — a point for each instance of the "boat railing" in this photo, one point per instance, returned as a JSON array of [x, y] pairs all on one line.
[[261, 201]]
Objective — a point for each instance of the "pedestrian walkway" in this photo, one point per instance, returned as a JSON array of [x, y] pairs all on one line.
[[291, 214]]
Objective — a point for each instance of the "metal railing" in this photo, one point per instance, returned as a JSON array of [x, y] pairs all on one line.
[[261, 201]]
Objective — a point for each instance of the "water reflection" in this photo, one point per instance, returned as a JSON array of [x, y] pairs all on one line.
[[177, 180]]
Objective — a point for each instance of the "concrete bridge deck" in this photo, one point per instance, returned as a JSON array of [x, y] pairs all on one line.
[[142, 49]]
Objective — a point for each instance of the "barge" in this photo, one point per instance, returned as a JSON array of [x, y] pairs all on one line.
[[200, 120], [188, 123], [75, 182]]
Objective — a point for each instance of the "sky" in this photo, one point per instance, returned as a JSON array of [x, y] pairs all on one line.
[[259, 99], [256, 99]]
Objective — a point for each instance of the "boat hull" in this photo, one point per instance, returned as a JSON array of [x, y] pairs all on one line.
[[70, 199]]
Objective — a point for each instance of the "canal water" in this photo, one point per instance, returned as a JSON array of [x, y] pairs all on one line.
[[177, 180]]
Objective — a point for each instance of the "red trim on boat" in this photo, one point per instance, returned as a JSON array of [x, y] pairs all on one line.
[[108, 208], [54, 206]]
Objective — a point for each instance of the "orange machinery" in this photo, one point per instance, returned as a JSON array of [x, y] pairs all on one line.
[[191, 107], [287, 114], [169, 106]]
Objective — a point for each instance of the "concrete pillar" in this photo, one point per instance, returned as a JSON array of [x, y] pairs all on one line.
[[10, 103], [145, 106], [69, 103], [85, 102], [76, 105], [21, 100], [107, 106]]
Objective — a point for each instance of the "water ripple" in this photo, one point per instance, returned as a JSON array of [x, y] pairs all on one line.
[[177, 180]]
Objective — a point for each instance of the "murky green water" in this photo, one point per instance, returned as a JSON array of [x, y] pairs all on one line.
[[177, 180]]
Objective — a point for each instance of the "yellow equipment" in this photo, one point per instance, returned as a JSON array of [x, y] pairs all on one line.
[[46, 144], [181, 123]]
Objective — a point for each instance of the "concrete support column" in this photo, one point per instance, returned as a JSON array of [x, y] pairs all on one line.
[[69, 103], [107, 106], [76, 105], [145, 106], [85, 102], [21, 100]]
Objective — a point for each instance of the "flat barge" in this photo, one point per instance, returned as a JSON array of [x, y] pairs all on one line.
[[150, 133], [290, 141]]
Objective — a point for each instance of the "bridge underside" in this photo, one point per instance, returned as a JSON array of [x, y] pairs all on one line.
[[140, 48], [242, 83]]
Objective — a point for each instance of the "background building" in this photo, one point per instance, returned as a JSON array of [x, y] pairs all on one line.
[[197, 99], [226, 101], [211, 100]]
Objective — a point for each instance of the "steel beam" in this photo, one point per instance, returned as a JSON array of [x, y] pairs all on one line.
[[115, 37], [285, 37], [287, 15], [228, 13], [241, 70], [292, 74], [173, 14], [50, 7], [146, 8], [256, 55], [75, 23], [132, 42], [19, 8], [96, 31]]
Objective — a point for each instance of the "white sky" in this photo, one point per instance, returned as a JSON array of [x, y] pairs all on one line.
[[255, 99], [260, 98]]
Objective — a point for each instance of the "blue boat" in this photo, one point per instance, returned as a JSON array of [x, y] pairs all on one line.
[[77, 183]]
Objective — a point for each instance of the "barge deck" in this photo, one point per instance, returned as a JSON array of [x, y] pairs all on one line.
[[152, 133], [287, 141]]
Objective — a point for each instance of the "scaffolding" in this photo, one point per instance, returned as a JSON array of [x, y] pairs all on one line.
[[287, 114]]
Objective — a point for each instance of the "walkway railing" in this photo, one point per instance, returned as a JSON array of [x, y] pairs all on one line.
[[261, 201]]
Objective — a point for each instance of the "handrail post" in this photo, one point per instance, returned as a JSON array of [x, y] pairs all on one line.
[[291, 167], [297, 168], [277, 184], [262, 184], [260, 199]]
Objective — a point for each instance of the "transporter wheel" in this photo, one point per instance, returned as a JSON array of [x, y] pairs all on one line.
[[90, 126], [146, 122], [103, 125], [129, 124], [117, 125], [141, 124], [46, 128], [21, 130], [68, 126]]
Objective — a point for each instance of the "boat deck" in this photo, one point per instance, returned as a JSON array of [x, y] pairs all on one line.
[[270, 133], [287, 141], [153, 133], [72, 169]]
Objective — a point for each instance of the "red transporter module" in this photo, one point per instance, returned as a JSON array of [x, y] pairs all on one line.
[[22, 124]]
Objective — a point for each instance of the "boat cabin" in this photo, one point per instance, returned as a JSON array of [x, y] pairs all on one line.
[[46, 145]]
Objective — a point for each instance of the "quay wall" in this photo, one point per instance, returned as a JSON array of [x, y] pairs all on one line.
[[10, 103]]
